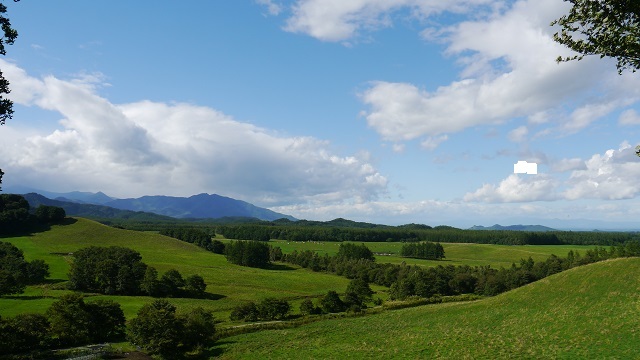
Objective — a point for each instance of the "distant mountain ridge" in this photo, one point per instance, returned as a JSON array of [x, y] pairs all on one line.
[[201, 206], [513, 227]]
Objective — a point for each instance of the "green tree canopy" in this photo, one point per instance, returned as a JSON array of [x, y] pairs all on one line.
[[608, 28]]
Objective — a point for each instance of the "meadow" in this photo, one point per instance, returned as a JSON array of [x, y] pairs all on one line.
[[589, 312], [227, 284], [455, 254]]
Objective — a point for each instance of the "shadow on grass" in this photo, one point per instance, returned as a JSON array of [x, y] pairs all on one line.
[[217, 350], [28, 297], [282, 267], [210, 296], [31, 228]]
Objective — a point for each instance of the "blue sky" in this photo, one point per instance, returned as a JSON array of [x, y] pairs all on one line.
[[388, 111]]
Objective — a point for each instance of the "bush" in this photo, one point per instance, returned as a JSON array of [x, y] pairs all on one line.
[[307, 308], [246, 312], [331, 303], [273, 309], [24, 332]]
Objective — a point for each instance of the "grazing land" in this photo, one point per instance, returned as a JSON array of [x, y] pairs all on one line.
[[587, 312], [227, 284], [455, 254]]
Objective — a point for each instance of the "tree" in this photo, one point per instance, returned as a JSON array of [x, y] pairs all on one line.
[[70, 322], [246, 312], [50, 214], [331, 303], [24, 332], [172, 283], [15, 272], [157, 329], [307, 307], [150, 284], [8, 38], [108, 270], [358, 292], [608, 28], [107, 320], [195, 285], [273, 309], [199, 328]]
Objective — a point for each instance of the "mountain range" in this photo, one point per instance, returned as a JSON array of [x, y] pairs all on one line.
[[201, 206]]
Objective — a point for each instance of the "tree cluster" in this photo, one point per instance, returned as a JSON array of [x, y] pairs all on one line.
[[15, 216], [16, 272], [248, 253], [268, 309], [348, 251], [191, 235], [119, 270], [356, 296], [69, 321], [417, 233], [405, 281], [161, 331], [423, 250]]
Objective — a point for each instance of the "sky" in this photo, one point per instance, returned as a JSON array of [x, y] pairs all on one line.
[[385, 111]]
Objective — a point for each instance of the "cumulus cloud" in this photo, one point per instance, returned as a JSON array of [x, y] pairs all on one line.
[[516, 188], [508, 71], [612, 175], [147, 148], [331, 20]]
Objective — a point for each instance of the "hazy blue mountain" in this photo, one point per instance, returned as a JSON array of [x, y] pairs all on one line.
[[98, 198], [197, 207], [92, 210], [513, 228]]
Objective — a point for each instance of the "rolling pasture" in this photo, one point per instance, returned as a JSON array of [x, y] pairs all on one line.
[[589, 312], [227, 284], [455, 254]]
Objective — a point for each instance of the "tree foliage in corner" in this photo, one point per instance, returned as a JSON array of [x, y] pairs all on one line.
[[8, 37], [602, 27]]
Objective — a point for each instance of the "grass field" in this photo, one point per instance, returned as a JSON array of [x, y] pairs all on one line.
[[589, 312], [228, 283], [456, 254]]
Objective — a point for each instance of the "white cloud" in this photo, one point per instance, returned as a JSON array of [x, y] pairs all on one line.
[[508, 72], [518, 134], [272, 7], [433, 142], [148, 148], [611, 176], [337, 20], [516, 188], [629, 117]]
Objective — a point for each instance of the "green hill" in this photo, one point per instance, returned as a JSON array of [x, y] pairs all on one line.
[[589, 312], [229, 284]]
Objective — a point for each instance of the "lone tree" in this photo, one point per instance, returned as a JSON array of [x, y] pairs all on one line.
[[8, 37], [608, 28]]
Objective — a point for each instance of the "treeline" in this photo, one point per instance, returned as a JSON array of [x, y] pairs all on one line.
[[357, 294], [16, 273], [70, 321], [406, 281], [17, 217], [119, 270], [423, 250], [199, 237], [416, 233]]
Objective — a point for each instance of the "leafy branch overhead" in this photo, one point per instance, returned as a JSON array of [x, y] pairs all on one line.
[[609, 28]]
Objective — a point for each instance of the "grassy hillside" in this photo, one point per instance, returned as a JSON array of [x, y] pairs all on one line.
[[228, 283], [588, 312], [456, 254]]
